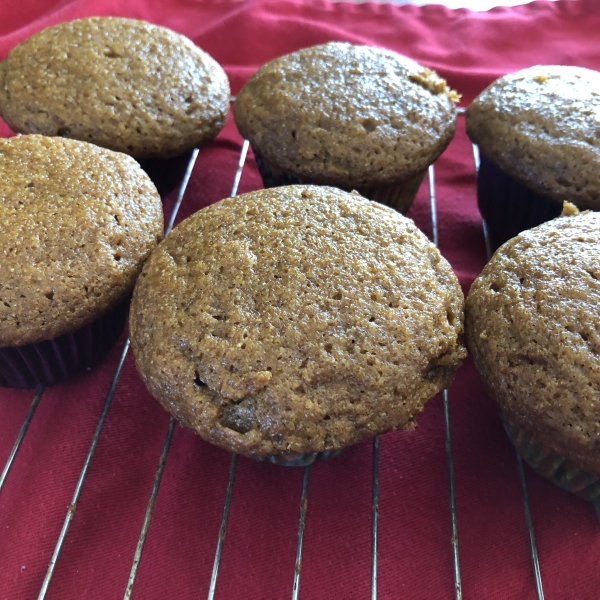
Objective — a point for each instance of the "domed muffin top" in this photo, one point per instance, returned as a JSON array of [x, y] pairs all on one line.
[[77, 223], [534, 334], [339, 111], [123, 84], [296, 319], [542, 126]]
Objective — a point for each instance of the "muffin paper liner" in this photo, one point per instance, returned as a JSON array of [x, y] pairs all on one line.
[[398, 195], [303, 460], [507, 206], [166, 174], [51, 361], [548, 463]]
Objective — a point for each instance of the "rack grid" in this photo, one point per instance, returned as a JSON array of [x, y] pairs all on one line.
[[303, 504]]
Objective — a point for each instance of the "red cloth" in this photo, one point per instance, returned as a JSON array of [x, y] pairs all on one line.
[[415, 560]]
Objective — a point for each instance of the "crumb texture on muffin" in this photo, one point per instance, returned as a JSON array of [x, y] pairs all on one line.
[[339, 112], [77, 223], [297, 319], [542, 126], [123, 84], [533, 331]]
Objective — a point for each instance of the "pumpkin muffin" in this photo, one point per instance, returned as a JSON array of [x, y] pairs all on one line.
[[537, 131], [296, 320], [533, 332], [78, 221], [354, 117], [119, 83]]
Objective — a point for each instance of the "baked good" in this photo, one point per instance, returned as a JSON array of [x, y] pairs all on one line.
[[296, 320], [78, 221], [120, 83], [537, 130], [533, 331], [354, 117]]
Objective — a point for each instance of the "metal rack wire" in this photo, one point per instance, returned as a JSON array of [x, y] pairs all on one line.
[[303, 505]]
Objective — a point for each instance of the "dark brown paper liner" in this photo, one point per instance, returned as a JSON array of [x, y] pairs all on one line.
[[51, 361], [167, 173], [548, 463], [398, 195], [303, 460], [509, 207]]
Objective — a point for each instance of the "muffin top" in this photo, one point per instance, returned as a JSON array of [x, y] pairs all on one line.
[[123, 84], [542, 127], [77, 223], [534, 333], [296, 319], [351, 113]]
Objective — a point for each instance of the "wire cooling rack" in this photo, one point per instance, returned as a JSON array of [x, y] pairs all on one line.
[[295, 574]]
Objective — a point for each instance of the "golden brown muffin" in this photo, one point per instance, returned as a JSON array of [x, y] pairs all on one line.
[[295, 320], [78, 221], [354, 117], [533, 331], [540, 126], [123, 84], [537, 132]]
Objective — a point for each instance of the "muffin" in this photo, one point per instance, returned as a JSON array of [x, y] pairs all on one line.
[[294, 321], [78, 221], [534, 334], [538, 131], [353, 117], [122, 84]]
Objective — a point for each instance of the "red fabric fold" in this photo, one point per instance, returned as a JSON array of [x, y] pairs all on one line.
[[415, 553]]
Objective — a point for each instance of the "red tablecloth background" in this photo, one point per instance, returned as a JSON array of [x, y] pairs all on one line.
[[470, 50]]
